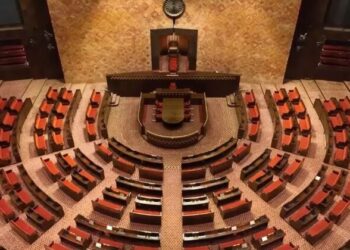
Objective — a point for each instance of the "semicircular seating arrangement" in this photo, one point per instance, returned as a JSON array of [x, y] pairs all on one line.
[[235, 194]]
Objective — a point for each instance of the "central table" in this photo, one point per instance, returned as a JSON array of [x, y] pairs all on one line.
[[173, 110]]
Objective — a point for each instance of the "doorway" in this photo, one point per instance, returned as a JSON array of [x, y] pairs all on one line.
[[27, 41], [321, 43]]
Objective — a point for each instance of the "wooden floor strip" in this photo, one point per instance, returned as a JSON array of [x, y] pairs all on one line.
[[14, 88]]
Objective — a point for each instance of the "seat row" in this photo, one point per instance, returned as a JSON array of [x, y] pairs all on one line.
[[253, 115], [91, 115]]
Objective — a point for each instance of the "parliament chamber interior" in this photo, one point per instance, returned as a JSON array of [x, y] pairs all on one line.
[[175, 124]]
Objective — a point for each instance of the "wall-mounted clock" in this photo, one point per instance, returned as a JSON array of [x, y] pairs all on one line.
[[174, 8]]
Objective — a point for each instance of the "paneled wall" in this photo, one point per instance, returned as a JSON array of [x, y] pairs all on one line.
[[250, 37]]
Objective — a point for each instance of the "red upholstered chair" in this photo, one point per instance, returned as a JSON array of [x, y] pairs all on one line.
[[25, 230], [3, 102], [52, 169], [249, 98], [52, 95], [318, 230], [5, 156], [95, 98], [253, 130], [344, 104], [40, 124], [304, 143], [329, 106], [294, 95], [91, 130], [173, 65]]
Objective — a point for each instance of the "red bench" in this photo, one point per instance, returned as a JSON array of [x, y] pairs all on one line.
[[304, 143], [318, 230], [91, 113], [95, 98], [104, 152], [287, 141], [123, 165], [66, 96], [197, 216], [5, 137], [71, 189], [40, 124], [287, 124], [304, 124], [21, 198], [61, 109], [146, 216], [339, 210], [341, 138], [279, 97], [335, 180], [56, 246], [8, 121], [260, 179], [40, 144], [84, 179], [25, 230], [241, 151], [293, 95], [249, 98], [303, 217], [16, 105], [329, 106], [253, 113], [253, 130], [108, 208], [52, 169], [299, 109], [6, 210], [235, 208], [40, 216], [91, 130], [69, 160], [221, 165], [57, 123], [336, 122], [52, 95], [273, 163], [322, 199], [344, 104], [273, 189], [284, 110], [341, 157], [5, 156], [293, 169], [9, 179], [45, 108], [57, 141]]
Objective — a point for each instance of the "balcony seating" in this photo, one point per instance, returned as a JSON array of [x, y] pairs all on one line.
[[61, 109], [318, 230], [70, 189], [344, 104], [234, 244], [40, 144], [95, 98], [329, 106], [336, 122], [197, 216], [254, 114], [279, 97], [52, 169], [278, 162], [322, 200], [117, 195], [304, 125], [45, 108], [104, 152], [260, 179], [6, 210], [273, 189], [341, 157], [91, 113], [235, 208], [151, 173], [9, 179], [267, 238], [193, 173], [221, 165], [26, 231], [75, 237], [195, 203], [258, 163], [84, 179], [57, 142], [202, 187], [336, 180], [40, 124], [108, 208], [339, 210], [299, 109], [227, 195], [287, 124], [146, 216], [303, 217], [52, 95], [341, 138], [57, 124], [143, 187], [249, 98], [123, 165], [91, 130], [288, 141], [66, 162], [8, 121], [293, 169], [21, 198], [293, 95], [347, 191], [253, 130], [303, 196], [56, 246], [304, 143], [5, 156], [40, 217], [241, 151]]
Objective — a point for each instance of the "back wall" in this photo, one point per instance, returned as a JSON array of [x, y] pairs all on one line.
[[249, 37]]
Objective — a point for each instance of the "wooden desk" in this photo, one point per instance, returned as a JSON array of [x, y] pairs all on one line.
[[173, 110]]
